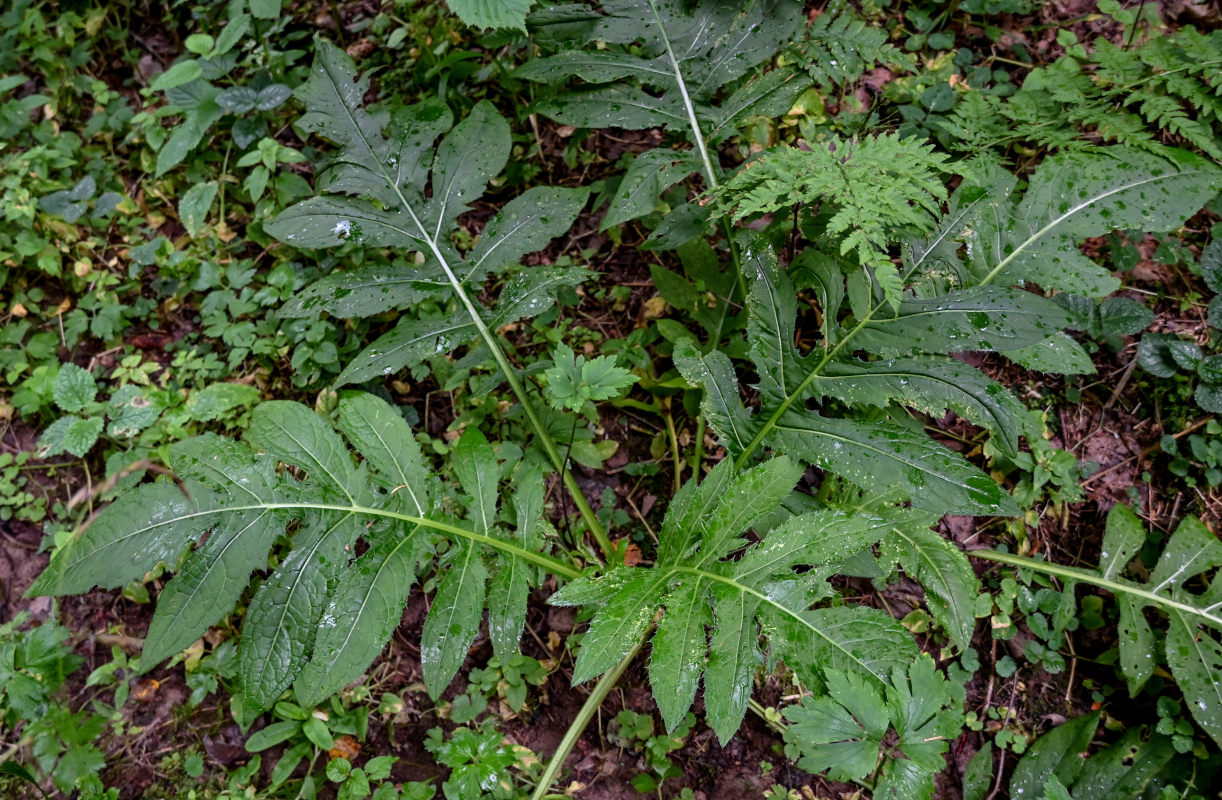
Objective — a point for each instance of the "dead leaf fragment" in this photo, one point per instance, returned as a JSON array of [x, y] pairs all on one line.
[[346, 746]]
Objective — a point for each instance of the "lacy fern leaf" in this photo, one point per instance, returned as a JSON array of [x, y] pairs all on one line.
[[987, 241], [840, 48], [1117, 94], [880, 189]]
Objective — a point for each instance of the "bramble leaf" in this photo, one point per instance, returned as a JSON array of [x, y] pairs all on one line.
[[492, 13]]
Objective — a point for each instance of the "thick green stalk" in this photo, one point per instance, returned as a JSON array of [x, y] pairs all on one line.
[[588, 709], [1095, 579], [772, 421], [710, 175], [1021, 247], [526, 554]]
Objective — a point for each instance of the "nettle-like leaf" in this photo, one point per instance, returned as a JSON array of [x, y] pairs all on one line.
[[842, 732], [492, 13], [684, 56], [715, 606], [324, 613], [388, 186], [70, 434]]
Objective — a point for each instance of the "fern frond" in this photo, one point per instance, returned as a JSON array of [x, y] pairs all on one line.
[[1127, 96], [879, 188], [841, 47]]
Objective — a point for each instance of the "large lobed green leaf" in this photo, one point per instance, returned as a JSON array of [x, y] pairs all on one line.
[[322, 615], [883, 457], [388, 187], [843, 730], [1184, 586], [683, 56], [715, 608], [1073, 196]]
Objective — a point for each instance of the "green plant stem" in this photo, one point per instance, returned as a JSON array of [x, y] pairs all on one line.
[[710, 174], [1095, 579], [697, 135], [758, 709], [772, 421], [674, 449], [550, 564], [588, 709], [221, 183], [737, 258], [698, 458]]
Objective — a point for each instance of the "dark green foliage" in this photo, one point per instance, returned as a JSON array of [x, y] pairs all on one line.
[[384, 161], [1141, 763], [697, 57], [34, 666], [856, 303], [1192, 649], [839, 48], [1167, 355]]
